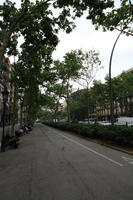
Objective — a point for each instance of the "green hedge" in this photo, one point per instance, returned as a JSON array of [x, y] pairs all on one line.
[[117, 134]]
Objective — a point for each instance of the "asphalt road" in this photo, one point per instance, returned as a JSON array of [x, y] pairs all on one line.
[[55, 165]]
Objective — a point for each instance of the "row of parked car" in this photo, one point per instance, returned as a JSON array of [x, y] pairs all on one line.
[[128, 121], [93, 122]]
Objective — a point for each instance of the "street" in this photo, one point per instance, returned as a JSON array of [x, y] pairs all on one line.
[[54, 165]]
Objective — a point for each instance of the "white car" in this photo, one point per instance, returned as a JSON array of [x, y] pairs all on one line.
[[105, 123], [130, 123]]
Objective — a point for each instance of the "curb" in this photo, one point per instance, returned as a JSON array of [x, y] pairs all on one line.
[[119, 149]]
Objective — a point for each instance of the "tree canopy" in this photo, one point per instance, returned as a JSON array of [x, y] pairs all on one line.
[[38, 23], [99, 98], [119, 18]]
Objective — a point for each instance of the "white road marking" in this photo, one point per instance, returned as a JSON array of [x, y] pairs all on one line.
[[91, 150], [129, 160]]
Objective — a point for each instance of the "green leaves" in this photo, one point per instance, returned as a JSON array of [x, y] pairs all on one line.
[[123, 85], [39, 24], [120, 18]]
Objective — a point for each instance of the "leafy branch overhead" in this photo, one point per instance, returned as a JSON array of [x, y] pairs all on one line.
[[119, 18], [39, 22]]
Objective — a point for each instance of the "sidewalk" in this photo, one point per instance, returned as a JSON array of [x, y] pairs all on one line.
[[15, 170]]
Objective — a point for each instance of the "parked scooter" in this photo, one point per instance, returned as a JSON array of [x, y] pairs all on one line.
[[11, 141]]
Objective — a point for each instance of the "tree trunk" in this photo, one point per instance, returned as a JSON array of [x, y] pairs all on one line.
[[4, 43], [88, 111], [68, 106], [55, 115], [13, 111], [2, 51], [56, 111], [21, 114]]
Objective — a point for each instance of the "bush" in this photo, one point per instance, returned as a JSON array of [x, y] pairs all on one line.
[[117, 134]]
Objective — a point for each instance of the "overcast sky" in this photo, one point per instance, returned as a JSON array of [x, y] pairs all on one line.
[[86, 37]]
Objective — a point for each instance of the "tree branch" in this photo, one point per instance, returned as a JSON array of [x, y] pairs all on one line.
[[128, 33]]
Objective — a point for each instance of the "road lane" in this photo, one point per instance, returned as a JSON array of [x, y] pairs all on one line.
[[91, 150], [109, 176], [98, 148], [50, 164]]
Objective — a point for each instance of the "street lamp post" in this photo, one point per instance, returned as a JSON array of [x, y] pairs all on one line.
[[21, 109], [110, 82], [5, 99]]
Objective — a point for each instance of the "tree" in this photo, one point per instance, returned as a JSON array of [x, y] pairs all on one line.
[[78, 105], [25, 79], [94, 9], [34, 21], [120, 18], [68, 71], [56, 92], [91, 64], [97, 100], [19, 86], [122, 87], [123, 91], [39, 28], [98, 96], [37, 23]]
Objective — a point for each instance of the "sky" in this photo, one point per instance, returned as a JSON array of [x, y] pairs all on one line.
[[85, 37]]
